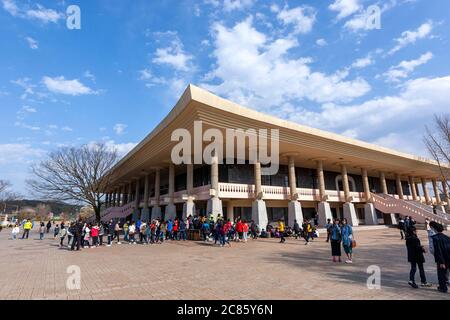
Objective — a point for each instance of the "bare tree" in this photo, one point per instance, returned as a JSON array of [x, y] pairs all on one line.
[[79, 174], [4, 185], [437, 141]]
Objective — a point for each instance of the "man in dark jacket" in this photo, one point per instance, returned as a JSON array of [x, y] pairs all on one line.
[[77, 235], [110, 229], [441, 248], [415, 258]]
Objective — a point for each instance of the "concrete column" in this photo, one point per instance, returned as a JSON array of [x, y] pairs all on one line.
[[122, 196], [370, 215], [259, 210], [413, 188], [156, 209], [136, 211], [425, 191], [445, 192], [383, 184], [323, 208], [398, 183], [436, 192], [171, 210], [130, 194], [294, 206], [106, 200], [214, 205], [189, 205], [349, 207], [321, 180], [145, 215]]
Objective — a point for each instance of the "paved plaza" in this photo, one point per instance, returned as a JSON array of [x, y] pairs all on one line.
[[262, 269]]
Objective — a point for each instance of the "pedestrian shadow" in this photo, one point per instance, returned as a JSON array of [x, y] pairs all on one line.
[[393, 266]]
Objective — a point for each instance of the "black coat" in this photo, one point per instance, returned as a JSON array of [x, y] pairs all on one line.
[[441, 245], [415, 249]]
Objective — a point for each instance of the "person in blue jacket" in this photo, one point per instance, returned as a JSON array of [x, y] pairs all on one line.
[[347, 240]]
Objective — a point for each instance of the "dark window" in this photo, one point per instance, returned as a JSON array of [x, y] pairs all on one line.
[[391, 186], [180, 182], [275, 214]]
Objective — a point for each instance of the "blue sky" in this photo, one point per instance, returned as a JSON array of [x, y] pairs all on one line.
[[314, 62]]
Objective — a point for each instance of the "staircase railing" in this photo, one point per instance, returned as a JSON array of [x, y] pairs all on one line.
[[389, 205]]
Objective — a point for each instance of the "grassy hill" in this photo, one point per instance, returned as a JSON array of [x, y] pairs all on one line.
[[56, 206]]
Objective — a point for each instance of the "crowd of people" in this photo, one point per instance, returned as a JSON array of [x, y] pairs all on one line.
[[222, 232]]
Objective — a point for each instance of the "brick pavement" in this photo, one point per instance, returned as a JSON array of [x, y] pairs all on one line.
[[262, 269]]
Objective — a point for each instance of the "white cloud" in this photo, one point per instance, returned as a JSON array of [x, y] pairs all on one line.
[[174, 56], [345, 8], [404, 68], [44, 15], [39, 13], [321, 42], [11, 7], [145, 74], [119, 128], [69, 87], [121, 148], [302, 18], [385, 119], [89, 75], [28, 109], [362, 63], [14, 153], [256, 71], [230, 5], [32, 43], [410, 37], [67, 129]]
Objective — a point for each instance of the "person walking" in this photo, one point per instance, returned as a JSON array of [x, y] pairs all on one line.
[[101, 233], [125, 231], [76, 241], [335, 239], [15, 231], [49, 225], [27, 226], [347, 240], [142, 233], [87, 236], [328, 226], [169, 230], [307, 231], [401, 228], [182, 230], [41, 231], [416, 258], [110, 230], [62, 235], [94, 233], [253, 230], [117, 232], [245, 230], [296, 229], [56, 231], [441, 251], [281, 230], [132, 232]]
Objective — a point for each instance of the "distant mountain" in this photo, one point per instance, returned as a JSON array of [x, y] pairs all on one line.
[[57, 207]]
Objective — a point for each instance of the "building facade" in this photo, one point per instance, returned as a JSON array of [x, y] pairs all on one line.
[[319, 173]]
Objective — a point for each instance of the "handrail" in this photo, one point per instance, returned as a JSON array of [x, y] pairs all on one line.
[[388, 204]]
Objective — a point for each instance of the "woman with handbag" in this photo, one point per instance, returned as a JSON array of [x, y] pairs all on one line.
[[347, 240]]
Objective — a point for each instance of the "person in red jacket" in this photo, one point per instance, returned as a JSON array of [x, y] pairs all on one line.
[[245, 230], [94, 233], [239, 230], [175, 230]]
